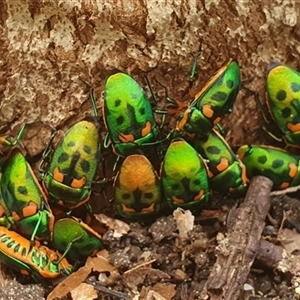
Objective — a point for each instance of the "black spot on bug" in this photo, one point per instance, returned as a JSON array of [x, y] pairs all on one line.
[[120, 120], [286, 112], [71, 144], [85, 166], [118, 102], [229, 84], [213, 150], [87, 149], [125, 196], [22, 190], [219, 96], [281, 95], [277, 163], [63, 157], [175, 186], [295, 87], [142, 110], [148, 195], [262, 159], [196, 181]]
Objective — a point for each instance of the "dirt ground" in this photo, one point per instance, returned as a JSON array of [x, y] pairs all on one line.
[[164, 259]]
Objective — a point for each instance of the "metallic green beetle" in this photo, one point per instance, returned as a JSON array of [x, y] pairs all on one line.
[[283, 99], [137, 188], [75, 239], [214, 101], [280, 166], [128, 115], [26, 203], [184, 176], [69, 176], [227, 174], [37, 261]]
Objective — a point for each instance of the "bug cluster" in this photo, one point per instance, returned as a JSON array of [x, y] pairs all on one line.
[[194, 161]]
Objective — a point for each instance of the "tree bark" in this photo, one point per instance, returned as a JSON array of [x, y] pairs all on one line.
[[46, 45]]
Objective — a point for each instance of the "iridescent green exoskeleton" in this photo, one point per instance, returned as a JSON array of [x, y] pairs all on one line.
[[227, 174], [283, 99], [5, 219], [69, 176], [137, 188], [25, 200], [75, 239], [214, 101], [128, 115], [184, 176], [37, 261], [277, 164]]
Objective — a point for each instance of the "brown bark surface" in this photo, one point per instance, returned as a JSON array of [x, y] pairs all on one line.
[[46, 45]]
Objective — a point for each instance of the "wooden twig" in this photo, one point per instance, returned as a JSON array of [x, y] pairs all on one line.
[[236, 252]]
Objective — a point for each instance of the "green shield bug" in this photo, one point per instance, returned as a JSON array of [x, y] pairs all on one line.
[[37, 261], [74, 163], [25, 200], [184, 176], [227, 174], [128, 115], [283, 100], [277, 164], [212, 102], [75, 239], [137, 188]]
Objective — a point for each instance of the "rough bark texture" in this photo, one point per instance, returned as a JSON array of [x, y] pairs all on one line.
[[46, 45], [238, 250]]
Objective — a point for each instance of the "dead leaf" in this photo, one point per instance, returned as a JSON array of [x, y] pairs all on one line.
[[119, 227], [185, 221], [289, 239], [84, 292], [97, 263], [166, 290]]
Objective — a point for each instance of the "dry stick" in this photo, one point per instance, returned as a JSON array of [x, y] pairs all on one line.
[[236, 252]]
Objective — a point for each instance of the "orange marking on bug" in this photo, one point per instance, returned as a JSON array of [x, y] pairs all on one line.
[[199, 196], [244, 174], [15, 216], [126, 138], [57, 175], [78, 183], [284, 185], [223, 165], [177, 200], [207, 111], [30, 210], [210, 174], [217, 120], [184, 120], [127, 209], [293, 170], [147, 129], [148, 209], [24, 272], [2, 140], [293, 127], [2, 211]]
